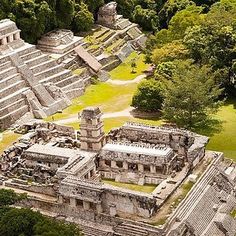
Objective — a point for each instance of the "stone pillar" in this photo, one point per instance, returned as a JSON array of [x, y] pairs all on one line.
[[72, 202], [4, 41], [125, 165], [17, 35], [113, 210], [11, 38], [140, 168], [99, 208], [60, 199], [113, 164], [153, 169], [86, 205]]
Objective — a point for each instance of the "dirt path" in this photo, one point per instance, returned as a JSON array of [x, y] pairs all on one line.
[[124, 82], [126, 112]]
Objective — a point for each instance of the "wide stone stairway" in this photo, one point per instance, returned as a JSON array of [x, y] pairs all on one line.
[[30, 81]]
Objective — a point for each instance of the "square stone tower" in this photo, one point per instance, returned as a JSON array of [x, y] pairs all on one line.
[[91, 128]]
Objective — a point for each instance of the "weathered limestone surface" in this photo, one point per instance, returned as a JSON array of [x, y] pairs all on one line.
[[24, 72], [62, 169]]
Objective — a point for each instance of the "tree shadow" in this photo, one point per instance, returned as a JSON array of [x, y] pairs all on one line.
[[209, 127]]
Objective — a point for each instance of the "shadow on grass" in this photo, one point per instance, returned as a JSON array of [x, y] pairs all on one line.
[[210, 127]]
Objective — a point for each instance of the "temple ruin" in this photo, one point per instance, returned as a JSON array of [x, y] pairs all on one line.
[[36, 81], [67, 169]]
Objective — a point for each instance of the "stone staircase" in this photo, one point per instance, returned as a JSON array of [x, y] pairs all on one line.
[[92, 231], [192, 198], [47, 70], [126, 229]]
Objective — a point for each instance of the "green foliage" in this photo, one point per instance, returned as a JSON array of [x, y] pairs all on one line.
[[83, 20], [190, 96], [149, 96], [15, 222], [146, 18], [9, 197]]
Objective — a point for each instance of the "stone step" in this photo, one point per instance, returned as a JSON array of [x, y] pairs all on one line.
[[12, 107], [49, 72], [130, 230], [108, 36], [37, 60], [113, 64], [74, 93], [67, 81], [57, 77], [102, 33], [91, 231], [43, 66], [31, 55], [4, 59], [123, 23], [10, 118], [11, 98], [12, 88], [7, 72], [9, 80], [77, 84], [5, 65], [28, 49]]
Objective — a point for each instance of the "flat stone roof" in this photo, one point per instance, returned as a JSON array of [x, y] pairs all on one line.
[[53, 151], [136, 149]]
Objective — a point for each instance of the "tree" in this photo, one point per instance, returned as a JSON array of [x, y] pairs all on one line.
[[169, 52], [190, 96], [83, 20], [148, 96], [9, 197], [133, 65], [65, 11], [15, 222], [146, 18]]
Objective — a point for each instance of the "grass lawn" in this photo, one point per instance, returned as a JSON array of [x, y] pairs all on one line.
[[147, 188], [110, 123], [123, 71], [8, 137], [223, 133], [110, 98]]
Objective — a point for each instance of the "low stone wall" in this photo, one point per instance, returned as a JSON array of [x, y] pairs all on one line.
[[36, 188]]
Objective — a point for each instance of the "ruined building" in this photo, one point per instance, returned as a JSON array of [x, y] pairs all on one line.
[[30, 81], [67, 169]]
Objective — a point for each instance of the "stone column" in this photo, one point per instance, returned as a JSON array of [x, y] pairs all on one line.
[[60, 199], [140, 168], [17, 35], [99, 208], [153, 169], [11, 38], [86, 205], [125, 165], [4, 41], [113, 164], [72, 202]]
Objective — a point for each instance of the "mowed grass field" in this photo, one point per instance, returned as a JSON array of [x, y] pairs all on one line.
[[124, 70], [147, 188], [112, 98]]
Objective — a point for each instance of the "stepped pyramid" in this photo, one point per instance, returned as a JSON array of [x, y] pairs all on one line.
[[30, 81]]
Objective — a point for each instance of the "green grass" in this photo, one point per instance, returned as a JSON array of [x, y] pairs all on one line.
[[147, 188], [123, 71], [110, 123], [8, 137], [233, 213], [222, 133], [78, 71], [110, 98]]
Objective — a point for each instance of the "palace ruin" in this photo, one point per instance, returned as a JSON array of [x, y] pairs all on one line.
[[66, 169]]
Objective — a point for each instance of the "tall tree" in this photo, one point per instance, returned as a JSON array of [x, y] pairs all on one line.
[[191, 96]]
